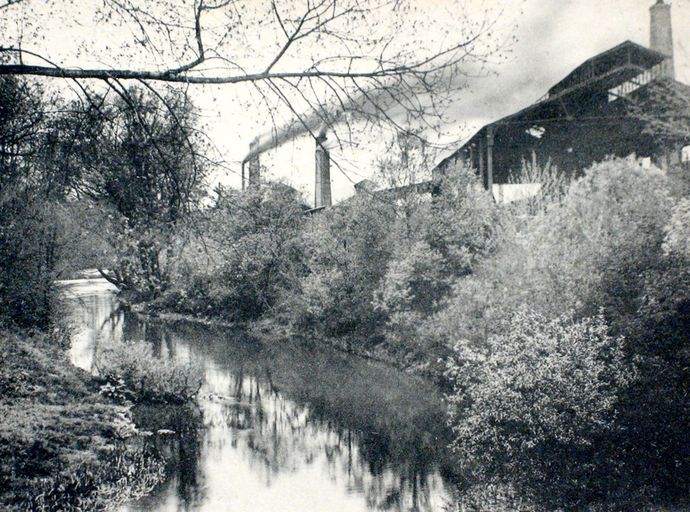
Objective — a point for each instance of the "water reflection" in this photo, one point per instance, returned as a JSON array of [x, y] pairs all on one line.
[[182, 451], [93, 309], [281, 427]]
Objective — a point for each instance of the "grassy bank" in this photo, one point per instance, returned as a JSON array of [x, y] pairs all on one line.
[[62, 444]]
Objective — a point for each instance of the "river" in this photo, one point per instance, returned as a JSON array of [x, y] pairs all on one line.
[[280, 426]]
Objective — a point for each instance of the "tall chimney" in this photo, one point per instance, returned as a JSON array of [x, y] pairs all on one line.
[[254, 166], [322, 195], [661, 35]]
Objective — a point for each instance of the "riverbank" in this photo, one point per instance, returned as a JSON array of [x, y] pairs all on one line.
[[363, 409], [62, 444], [268, 330]]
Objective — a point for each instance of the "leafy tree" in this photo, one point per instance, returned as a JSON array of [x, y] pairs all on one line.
[[28, 245], [259, 248], [443, 240], [415, 281], [138, 159], [664, 109], [245, 255], [603, 237], [461, 222], [346, 252], [586, 252]]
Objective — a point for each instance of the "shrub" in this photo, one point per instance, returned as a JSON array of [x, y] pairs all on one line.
[[441, 241], [595, 247], [346, 250], [677, 240], [461, 222], [533, 407], [588, 251], [655, 411], [130, 370], [121, 476], [246, 255]]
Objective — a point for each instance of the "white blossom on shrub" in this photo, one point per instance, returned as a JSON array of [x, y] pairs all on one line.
[[130, 369], [541, 391], [677, 240]]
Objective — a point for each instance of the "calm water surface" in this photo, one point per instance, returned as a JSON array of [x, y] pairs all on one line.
[[280, 426]]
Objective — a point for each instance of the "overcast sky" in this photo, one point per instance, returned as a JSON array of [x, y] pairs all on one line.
[[554, 36]]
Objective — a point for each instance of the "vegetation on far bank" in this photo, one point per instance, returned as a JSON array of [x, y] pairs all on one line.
[[559, 326]]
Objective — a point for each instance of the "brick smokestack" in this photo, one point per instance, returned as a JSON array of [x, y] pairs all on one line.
[[254, 166], [322, 195], [661, 35]]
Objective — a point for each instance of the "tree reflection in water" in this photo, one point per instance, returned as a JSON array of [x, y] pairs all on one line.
[[283, 427]]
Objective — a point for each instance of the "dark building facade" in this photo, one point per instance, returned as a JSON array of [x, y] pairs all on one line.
[[583, 118]]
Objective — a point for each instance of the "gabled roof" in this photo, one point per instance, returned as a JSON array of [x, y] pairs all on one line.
[[601, 72], [625, 54]]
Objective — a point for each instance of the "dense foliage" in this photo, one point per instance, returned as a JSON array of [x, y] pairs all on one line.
[[27, 232], [243, 254], [586, 408], [96, 183], [535, 405], [130, 371], [558, 325], [364, 275]]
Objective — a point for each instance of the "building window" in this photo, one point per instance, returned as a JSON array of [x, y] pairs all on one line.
[[627, 88], [536, 131]]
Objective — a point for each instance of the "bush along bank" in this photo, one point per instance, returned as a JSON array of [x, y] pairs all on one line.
[[129, 371], [571, 374], [360, 276], [63, 445]]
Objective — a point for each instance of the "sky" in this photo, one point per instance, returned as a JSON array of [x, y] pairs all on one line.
[[551, 38], [555, 36]]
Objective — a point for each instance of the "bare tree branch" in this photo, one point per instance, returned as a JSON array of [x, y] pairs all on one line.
[[331, 57], [8, 3]]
